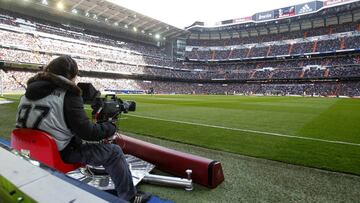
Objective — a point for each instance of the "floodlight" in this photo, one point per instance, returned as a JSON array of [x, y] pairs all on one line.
[[126, 26], [74, 11], [116, 23], [60, 6], [135, 29], [44, 2], [150, 33], [87, 14], [157, 36]]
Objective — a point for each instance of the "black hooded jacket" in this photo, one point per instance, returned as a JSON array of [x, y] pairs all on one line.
[[43, 84]]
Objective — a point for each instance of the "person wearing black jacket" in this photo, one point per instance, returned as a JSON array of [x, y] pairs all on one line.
[[53, 103]]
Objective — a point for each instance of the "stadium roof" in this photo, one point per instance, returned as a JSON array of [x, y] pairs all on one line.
[[125, 17], [104, 14]]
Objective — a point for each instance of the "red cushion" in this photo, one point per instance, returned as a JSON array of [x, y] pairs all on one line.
[[41, 146]]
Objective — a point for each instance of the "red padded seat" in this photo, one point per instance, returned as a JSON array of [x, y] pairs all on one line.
[[41, 147]]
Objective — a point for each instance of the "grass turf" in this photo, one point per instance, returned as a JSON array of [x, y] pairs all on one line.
[[218, 122], [8, 115], [221, 123], [258, 180]]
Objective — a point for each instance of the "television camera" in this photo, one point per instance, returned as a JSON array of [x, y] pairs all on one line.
[[106, 108], [110, 107]]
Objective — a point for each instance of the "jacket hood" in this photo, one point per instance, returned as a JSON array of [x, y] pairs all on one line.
[[44, 83]]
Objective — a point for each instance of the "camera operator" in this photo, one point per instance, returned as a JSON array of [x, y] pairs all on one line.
[[53, 103]]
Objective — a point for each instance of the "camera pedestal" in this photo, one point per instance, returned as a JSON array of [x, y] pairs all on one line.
[[97, 177]]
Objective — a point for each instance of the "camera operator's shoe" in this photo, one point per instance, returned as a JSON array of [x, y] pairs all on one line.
[[141, 197]]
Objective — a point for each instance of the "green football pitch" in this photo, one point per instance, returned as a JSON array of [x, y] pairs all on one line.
[[319, 133]]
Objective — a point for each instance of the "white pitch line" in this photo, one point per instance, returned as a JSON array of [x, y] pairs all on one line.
[[5, 102], [249, 131]]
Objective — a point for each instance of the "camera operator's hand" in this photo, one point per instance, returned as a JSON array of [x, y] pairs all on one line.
[[109, 129], [112, 138], [114, 123], [116, 135], [96, 106]]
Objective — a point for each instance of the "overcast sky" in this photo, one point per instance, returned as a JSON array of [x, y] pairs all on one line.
[[185, 12]]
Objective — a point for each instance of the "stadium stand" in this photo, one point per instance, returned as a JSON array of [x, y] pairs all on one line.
[[313, 61]]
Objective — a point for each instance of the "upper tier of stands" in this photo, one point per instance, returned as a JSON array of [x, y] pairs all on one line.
[[37, 25], [346, 27], [319, 40]]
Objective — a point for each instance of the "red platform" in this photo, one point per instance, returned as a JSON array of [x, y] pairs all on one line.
[[42, 147]]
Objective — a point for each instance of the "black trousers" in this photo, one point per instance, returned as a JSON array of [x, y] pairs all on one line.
[[111, 157]]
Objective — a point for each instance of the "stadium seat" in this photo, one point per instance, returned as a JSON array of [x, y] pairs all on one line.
[[40, 146]]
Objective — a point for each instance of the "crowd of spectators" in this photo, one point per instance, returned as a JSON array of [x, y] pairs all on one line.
[[287, 73], [260, 46], [15, 19], [344, 66], [101, 54], [330, 45], [345, 27], [278, 50], [301, 48], [15, 81], [77, 41], [36, 43]]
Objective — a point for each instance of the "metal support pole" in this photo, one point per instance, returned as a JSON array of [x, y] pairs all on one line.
[[171, 181], [2, 82]]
